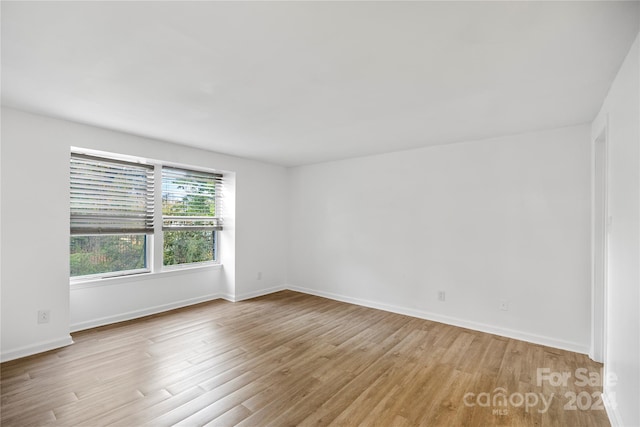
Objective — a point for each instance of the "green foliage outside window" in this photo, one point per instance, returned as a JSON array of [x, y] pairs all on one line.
[[107, 253], [182, 247], [187, 197]]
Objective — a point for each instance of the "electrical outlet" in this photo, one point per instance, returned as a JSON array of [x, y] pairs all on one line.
[[504, 305], [441, 296], [44, 316]]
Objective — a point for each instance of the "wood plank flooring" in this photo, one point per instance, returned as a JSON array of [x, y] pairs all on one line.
[[293, 359]]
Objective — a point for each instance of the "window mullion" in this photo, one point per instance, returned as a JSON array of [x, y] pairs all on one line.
[[158, 237]]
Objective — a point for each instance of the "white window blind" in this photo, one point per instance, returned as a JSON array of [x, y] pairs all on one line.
[[110, 196], [191, 200]]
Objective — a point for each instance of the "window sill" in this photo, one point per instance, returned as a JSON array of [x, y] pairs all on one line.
[[167, 272]]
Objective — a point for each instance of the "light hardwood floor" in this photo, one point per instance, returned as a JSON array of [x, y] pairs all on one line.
[[292, 359]]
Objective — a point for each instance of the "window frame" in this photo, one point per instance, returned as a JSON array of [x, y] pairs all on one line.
[[217, 177], [214, 261], [154, 248], [121, 273]]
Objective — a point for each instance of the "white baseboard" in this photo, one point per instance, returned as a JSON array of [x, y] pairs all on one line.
[[612, 410], [40, 347], [505, 332], [258, 293], [481, 327], [228, 297], [93, 323]]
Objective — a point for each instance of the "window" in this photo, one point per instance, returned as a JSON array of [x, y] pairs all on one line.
[[112, 216], [108, 254], [190, 215]]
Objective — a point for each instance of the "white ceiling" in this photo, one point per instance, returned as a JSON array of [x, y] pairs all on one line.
[[303, 82]]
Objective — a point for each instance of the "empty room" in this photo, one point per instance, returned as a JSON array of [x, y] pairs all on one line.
[[320, 213]]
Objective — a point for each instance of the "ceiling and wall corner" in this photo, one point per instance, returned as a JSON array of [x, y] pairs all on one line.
[[296, 83]]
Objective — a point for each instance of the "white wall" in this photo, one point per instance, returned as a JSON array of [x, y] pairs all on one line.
[[621, 110], [35, 234], [505, 218]]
